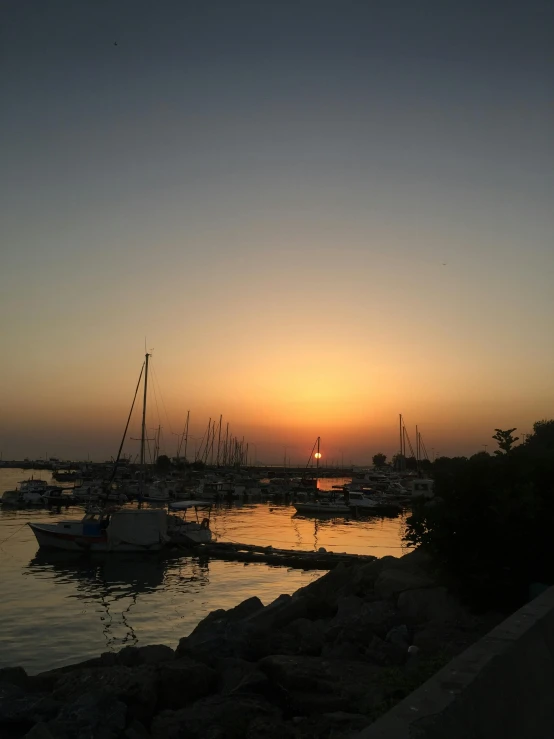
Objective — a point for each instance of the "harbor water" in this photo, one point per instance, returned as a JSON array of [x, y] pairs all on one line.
[[63, 607]]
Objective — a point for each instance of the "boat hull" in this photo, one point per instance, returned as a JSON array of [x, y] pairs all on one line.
[[50, 537]]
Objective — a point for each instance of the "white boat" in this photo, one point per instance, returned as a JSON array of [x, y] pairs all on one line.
[[28, 492], [357, 500], [106, 531], [322, 506], [190, 532], [422, 488]]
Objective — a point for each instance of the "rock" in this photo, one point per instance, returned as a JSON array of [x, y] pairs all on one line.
[[376, 617], [417, 560], [428, 604], [240, 639], [217, 618], [218, 717], [151, 654], [314, 684], [349, 606], [45, 681], [92, 716], [21, 709], [399, 636], [325, 592], [183, 681], [240, 676], [301, 636], [39, 731], [136, 687], [391, 582], [263, 728], [14, 676], [280, 612], [136, 731], [335, 725]]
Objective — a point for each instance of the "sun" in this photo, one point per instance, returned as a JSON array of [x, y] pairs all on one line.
[[317, 455]]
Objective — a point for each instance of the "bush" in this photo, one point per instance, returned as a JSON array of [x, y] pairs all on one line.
[[490, 525]]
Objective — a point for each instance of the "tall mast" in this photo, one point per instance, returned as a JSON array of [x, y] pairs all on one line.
[[400, 454], [219, 439], [318, 455], [186, 434], [143, 429]]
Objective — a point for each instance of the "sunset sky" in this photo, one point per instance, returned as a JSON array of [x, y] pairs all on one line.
[[318, 214]]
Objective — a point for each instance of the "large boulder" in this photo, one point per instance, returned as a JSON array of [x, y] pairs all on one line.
[[280, 612], [218, 717], [152, 654], [392, 581], [136, 687], [324, 593], [215, 620], [233, 639], [183, 681], [90, 715]]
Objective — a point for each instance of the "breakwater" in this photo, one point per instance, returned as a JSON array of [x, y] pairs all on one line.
[[328, 660]]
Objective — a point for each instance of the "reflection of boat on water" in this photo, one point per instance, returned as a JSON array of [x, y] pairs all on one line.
[[114, 586]]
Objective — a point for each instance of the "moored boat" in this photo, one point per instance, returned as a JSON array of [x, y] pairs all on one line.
[[124, 530], [186, 532]]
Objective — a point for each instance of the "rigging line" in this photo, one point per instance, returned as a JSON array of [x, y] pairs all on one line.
[[126, 426], [13, 533], [163, 401]]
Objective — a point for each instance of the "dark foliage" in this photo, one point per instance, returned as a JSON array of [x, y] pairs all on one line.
[[379, 460], [163, 462], [490, 525]]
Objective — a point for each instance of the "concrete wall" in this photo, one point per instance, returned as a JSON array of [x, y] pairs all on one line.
[[502, 686]]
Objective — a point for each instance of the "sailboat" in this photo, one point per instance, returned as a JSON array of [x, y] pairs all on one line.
[[109, 529]]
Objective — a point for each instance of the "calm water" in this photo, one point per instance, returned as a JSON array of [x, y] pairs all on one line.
[[59, 608]]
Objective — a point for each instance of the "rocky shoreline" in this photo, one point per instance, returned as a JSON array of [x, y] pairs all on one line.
[[324, 662]]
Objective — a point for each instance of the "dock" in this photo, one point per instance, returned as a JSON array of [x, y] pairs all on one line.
[[293, 558]]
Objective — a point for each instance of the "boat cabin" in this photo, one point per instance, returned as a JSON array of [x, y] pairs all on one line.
[[422, 488]]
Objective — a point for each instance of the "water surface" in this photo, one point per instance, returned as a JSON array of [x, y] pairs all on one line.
[[59, 607]]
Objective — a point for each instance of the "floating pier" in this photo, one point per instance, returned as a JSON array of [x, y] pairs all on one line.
[[297, 559]]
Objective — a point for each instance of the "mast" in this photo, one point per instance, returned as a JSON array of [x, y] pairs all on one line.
[[400, 455], [318, 455], [219, 439], [186, 434], [143, 429]]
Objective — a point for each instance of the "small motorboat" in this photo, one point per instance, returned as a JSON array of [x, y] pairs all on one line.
[[196, 532], [107, 530], [29, 493]]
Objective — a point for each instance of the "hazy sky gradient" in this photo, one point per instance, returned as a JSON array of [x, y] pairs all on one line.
[[268, 191]]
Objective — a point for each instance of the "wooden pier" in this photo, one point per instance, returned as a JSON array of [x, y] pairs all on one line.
[[297, 559]]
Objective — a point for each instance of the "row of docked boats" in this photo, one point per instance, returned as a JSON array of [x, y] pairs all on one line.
[[366, 500]]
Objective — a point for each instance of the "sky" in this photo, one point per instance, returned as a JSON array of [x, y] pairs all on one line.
[[316, 214]]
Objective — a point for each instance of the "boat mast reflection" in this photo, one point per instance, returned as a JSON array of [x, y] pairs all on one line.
[[113, 585]]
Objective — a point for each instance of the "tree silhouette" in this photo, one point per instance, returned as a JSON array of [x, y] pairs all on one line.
[[505, 440], [379, 460]]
